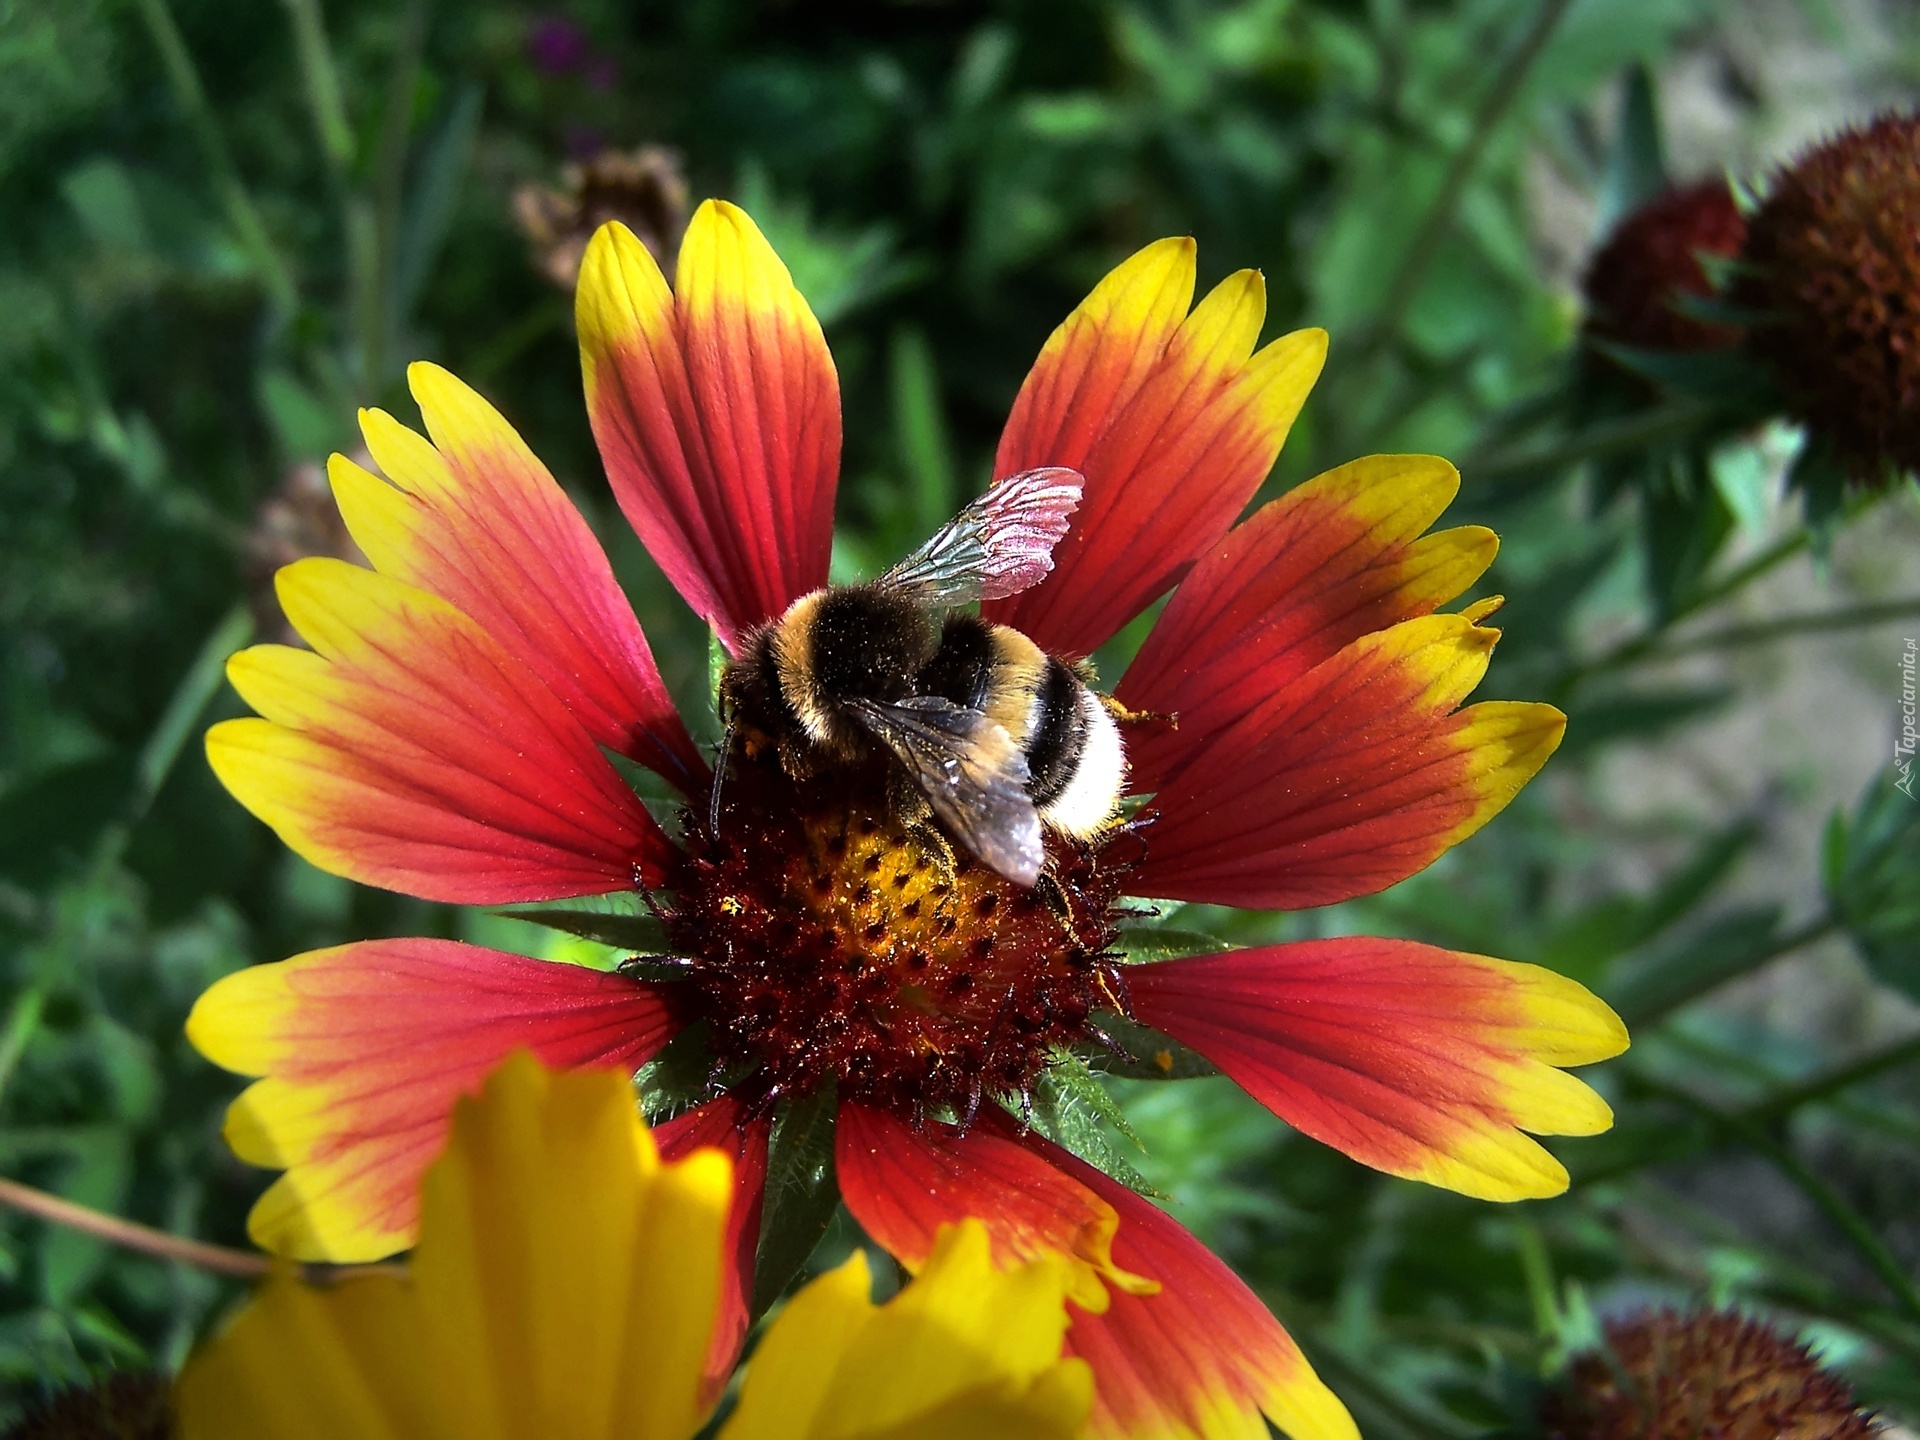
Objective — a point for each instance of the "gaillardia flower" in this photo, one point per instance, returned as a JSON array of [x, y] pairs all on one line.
[[567, 1282], [1294, 726]]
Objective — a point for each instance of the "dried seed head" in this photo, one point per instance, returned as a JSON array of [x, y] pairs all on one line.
[[297, 520], [1652, 260], [644, 189], [1713, 1375], [121, 1406], [1833, 261]]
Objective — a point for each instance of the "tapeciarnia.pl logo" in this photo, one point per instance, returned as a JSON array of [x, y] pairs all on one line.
[[1903, 746]]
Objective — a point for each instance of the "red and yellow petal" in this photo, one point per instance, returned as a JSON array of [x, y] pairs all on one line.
[[476, 519], [1329, 562], [1173, 419], [408, 750], [722, 1125], [903, 1184], [1203, 1358], [717, 411], [365, 1047], [1178, 1345], [1418, 1061], [1354, 776]]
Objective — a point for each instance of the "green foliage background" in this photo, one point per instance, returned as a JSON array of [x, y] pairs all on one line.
[[227, 224]]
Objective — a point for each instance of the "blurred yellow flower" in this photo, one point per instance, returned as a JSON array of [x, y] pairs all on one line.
[[566, 1283]]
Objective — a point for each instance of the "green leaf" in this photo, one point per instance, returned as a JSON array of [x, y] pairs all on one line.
[[1637, 164], [434, 194], [98, 1179], [802, 1194], [920, 430], [638, 934], [1638, 714], [1140, 944], [1145, 1054], [1873, 877], [1821, 477]]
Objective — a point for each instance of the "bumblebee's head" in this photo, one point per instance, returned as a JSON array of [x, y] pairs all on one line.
[[857, 642]]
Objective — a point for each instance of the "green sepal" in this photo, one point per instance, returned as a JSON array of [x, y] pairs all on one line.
[[1728, 378], [1142, 944], [679, 1077], [1143, 1053], [802, 1194], [1637, 164], [636, 934], [1070, 1107], [718, 659]]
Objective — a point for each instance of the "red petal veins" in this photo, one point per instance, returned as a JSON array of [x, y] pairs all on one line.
[[902, 1184], [1201, 1358], [1178, 1346], [364, 1049], [1330, 561], [720, 1125], [1352, 777], [717, 412], [480, 522], [1418, 1061], [1172, 419], [413, 753]]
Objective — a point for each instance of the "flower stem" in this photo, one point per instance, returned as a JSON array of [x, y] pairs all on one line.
[[1828, 1200], [1420, 252], [1810, 623], [1596, 442], [219, 1259]]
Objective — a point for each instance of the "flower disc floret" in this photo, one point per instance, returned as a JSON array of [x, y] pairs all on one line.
[[833, 939]]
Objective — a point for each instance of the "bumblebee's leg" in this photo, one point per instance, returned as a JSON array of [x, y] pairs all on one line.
[[1125, 716], [1054, 897], [719, 777], [908, 804]]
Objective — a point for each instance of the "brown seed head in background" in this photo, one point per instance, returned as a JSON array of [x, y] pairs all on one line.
[[120, 1406], [1713, 1375], [1833, 260], [1652, 260], [644, 189], [297, 520]]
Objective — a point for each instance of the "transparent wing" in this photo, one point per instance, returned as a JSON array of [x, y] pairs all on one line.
[[999, 545], [971, 772]]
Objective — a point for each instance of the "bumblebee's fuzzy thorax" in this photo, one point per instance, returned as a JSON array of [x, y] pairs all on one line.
[[829, 942]]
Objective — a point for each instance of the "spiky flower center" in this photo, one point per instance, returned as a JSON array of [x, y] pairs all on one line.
[[1715, 1373], [834, 937]]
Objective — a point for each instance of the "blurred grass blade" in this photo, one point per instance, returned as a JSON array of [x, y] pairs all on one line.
[[428, 215]]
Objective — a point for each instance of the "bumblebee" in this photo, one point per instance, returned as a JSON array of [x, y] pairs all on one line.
[[992, 735]]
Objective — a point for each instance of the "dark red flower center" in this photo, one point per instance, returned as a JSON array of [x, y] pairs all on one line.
[[832, 938]]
